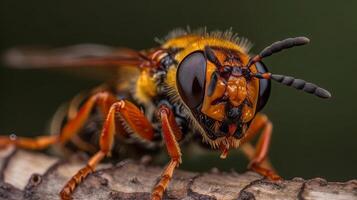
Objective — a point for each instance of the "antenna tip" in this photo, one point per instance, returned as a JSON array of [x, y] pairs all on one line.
[[320, 92]]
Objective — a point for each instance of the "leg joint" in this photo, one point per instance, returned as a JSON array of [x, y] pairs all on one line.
[[118, 105]]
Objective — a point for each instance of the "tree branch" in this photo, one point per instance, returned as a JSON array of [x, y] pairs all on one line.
[[29, 175]]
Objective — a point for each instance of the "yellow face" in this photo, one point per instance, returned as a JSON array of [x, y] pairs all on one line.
[[211, 81]]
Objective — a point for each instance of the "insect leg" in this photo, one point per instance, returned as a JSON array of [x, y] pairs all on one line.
[[70, 110], [258, 157], [102, 99], [171, 134], [37, 143], [134, 119]]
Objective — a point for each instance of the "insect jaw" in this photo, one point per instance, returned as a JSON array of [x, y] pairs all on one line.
[[219, 140], [225, 144], [232, 126]]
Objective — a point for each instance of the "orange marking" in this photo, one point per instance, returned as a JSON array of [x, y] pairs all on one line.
[[237, 90], [214, 111], [266, 75]]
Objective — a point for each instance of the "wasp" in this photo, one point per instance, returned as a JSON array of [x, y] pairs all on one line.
[[199, 83]]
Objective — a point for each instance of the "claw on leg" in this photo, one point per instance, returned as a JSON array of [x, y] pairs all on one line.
[[270, 174], [71, 185]]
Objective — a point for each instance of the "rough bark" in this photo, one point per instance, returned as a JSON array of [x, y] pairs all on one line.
[[30, 175]]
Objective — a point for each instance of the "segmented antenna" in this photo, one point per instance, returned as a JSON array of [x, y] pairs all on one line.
[[278, 46], [296, 83], [287, 80]]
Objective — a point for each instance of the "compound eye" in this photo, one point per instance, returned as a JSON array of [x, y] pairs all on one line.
[[190, 79], [264, 87]]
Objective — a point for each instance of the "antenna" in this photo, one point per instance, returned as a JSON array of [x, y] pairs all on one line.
[[277, 47], [287, 80], [298, 84]]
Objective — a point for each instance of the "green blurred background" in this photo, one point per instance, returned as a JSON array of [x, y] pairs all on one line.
[[312, 137]]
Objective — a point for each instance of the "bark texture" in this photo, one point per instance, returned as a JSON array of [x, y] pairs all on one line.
[[30, 175]]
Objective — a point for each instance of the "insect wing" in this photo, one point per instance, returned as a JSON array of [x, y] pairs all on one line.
[[72, 56], [92, 61]]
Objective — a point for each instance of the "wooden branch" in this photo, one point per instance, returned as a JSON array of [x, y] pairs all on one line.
[[30, 175]]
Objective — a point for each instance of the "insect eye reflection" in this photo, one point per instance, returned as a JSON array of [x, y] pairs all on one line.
[[264, 87], [190, 77]]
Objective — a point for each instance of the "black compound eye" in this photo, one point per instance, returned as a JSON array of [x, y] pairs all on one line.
[[190, 79], [264, 87]]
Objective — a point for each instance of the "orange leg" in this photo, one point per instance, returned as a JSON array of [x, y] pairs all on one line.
[[258, 157], [171, 134], [134, 119], [102, 99], [69, 112], [28, 143]]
